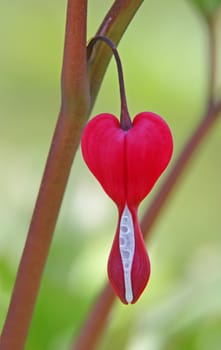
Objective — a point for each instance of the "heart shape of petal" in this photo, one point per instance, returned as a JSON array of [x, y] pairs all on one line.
[[127, 164]]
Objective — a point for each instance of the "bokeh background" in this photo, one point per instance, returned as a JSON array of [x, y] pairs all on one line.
[[165, 58]]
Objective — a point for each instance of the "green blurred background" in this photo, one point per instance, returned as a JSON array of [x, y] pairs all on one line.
[[164, 54]]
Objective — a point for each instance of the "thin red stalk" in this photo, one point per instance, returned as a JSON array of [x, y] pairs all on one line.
[[64, 145]]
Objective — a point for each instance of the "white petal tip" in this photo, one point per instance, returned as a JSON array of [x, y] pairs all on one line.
[[129, 298]]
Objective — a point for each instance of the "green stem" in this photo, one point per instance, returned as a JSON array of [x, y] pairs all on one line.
[[65, 141]]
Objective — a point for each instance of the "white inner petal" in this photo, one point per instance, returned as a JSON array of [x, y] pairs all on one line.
[[127, 247]]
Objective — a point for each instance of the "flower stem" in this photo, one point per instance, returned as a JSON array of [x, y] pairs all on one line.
[[74, 110], [113, 26], [125, 121]]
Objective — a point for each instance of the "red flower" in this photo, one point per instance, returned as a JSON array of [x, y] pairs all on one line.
[[127, 163]]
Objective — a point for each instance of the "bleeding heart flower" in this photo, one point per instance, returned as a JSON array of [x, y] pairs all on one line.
[[127, 158], [127, 164]]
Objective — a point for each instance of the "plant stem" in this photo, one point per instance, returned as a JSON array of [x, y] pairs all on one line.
[[74, 77], [212, 60], [63, 147], [113, 26], [125, 121]]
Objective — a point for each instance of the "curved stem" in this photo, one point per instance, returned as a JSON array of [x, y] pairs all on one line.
[[125, 121], [113, 26]]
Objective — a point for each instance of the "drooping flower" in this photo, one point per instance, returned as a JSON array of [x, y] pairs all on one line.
[[127, 158], [127, 163]]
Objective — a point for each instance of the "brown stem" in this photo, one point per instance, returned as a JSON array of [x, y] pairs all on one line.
[[64, 145], [74, 80], [211, 22], [125, 121]]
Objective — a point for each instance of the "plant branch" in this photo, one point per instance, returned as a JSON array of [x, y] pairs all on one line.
[[73, 113], [74, 79], [211, 22]]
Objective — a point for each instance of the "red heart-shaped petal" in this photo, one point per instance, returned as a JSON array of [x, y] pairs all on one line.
[[127, 163], [103, 151]]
